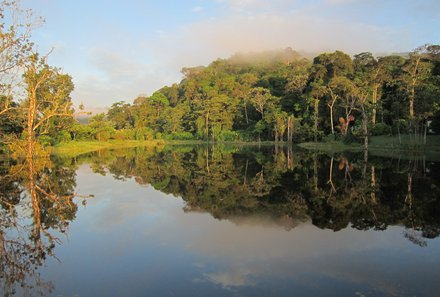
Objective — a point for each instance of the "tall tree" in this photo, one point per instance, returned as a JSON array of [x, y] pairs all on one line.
[[120, 113], [416, 70], [316, 92], [48, 97], [260, 99], [340, 88]]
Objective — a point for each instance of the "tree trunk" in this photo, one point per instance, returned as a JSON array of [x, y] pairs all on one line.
[[331, 119], [246, 113], [207, 126], [291, 125], [413, 87], [207, 158], [374, 102], [411, 101], [316, 108], [30, 123], [364, 128]]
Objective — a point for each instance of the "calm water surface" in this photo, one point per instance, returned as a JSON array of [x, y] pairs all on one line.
[[221, 221]]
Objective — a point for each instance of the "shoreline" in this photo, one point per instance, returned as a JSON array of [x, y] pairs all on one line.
[[379, 145]]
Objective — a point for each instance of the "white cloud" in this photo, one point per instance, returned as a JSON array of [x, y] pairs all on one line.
[[136, 65], [204, 41], [122, 76], [197, 9], [117, 76]]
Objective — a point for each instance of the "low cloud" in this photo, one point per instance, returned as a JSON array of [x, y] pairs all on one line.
[[142, 64], [268, 31], [205, 41]]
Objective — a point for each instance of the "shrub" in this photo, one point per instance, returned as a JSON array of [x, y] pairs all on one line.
[[124, 134], [180, 136], [227, 135], [380, 129]]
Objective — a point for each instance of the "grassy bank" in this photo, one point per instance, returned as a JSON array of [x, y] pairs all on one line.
[[379, 145], [386, 146], [394, 143], [75, 148]]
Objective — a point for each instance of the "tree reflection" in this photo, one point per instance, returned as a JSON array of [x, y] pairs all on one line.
[[332, 192], [37, 203]]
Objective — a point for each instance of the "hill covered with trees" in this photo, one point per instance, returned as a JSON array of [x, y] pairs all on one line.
[[281, 96]]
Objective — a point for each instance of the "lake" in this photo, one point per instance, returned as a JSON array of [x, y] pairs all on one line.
[[218, 220]]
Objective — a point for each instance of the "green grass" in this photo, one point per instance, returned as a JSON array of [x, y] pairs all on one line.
[[379, 145], [75, 148], [390, 143]]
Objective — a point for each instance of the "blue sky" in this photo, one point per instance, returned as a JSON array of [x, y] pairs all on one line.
[[117, 50]]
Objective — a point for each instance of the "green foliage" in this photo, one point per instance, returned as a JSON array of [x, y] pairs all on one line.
[[62, 136], [125, 134], [180, 136], [306, 132], [144, 133], [227, 135], [284, 97], [46, 140], [82, 132], [102, 129], [120, 114], [380, 129]]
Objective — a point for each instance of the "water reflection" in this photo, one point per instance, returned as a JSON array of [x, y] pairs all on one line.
[[36, 198], [134, 240], [290, 187]]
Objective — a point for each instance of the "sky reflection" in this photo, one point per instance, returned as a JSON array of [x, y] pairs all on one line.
[[134, 241]]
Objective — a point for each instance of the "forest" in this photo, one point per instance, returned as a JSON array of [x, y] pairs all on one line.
[[281, 96], [276, 95]]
